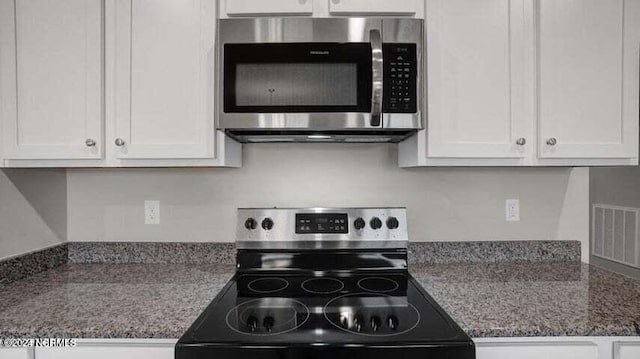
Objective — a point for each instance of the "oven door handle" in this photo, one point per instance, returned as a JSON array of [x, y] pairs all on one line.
[[376, 76]]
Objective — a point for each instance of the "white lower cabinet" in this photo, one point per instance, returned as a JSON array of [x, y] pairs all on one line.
[[558, 348], [112, 349], [537, 350], [626, 350], [16, 353]]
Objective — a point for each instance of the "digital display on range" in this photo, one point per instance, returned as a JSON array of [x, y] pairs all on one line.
[[311, 223]]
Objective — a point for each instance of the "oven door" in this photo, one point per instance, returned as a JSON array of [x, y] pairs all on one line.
[[287, 73]]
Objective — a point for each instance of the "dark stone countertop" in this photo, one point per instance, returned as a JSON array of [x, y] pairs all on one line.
[[162, 300], [534, 298], [110, 300]]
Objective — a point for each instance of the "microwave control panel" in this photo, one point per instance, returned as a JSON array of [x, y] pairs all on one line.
[[400, 73]]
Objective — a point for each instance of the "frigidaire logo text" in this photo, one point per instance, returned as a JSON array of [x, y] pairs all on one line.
[[319, 52]]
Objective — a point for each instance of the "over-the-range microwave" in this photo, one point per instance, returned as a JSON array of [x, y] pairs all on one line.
[[320, 79]]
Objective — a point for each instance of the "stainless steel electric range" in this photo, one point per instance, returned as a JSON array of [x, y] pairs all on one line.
[[323, 283]]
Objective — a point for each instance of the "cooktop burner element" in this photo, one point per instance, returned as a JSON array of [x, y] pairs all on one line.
[[268, 285], [323, 283], [267, 316], [371, 314], [378, 284]]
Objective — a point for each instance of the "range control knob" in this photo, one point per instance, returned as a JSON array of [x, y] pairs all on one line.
[[357, 323], [392, 322], [375, 323], [392, 223], [375, 223], [267, 323], [359, 223], [250, 224], [252, 323], [267, 224]]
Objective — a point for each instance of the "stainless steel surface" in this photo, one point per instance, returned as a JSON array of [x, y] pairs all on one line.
[[521, 141], [282, 235], [90, 142], [345, 136], [333, 30], [552, 141], [376, 75], [119, 142]]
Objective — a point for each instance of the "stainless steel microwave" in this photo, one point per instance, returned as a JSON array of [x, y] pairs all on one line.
[[320, 79]]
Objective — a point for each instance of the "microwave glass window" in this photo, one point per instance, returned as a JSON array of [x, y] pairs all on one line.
[[296, 84]]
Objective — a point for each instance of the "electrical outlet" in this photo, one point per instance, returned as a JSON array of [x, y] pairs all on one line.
[[512, 210], [151, 212]]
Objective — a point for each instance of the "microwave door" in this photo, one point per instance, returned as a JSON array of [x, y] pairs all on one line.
[[299, 78]]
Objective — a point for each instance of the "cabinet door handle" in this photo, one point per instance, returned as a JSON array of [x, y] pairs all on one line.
[[552, 141], [90, 142], [521, 141], [119, 142]]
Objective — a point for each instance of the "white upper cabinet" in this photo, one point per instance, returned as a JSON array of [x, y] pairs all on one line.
[[382, 7], [588, 78], [476, 72], [266, 7], [321, 8], [163, 72], [51, 79], [529, 82]]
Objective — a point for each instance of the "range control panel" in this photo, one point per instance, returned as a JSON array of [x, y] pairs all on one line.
[[308, 223], [321, 228], [400, 78]]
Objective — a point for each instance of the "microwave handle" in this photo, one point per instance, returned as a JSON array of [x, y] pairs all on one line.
[[376, 89]]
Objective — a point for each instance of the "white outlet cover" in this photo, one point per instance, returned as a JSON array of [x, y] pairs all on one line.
[[151, 212], [512, 210]]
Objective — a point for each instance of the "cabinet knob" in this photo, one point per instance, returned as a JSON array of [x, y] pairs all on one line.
[[521, 141], [90, 142], [119, 142], [552, 141]]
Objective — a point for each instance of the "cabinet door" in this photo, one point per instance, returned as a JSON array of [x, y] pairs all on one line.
[[624, 350], [137, 351], [396, 7], [537, 351], [588, 78], [163, 68], [267, 7], [51, 78], [16, 353], [476, 75]]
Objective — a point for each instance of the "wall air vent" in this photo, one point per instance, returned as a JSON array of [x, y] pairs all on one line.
[[615, 234]]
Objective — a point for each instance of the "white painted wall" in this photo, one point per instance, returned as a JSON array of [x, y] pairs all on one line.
[[33, 210], [444, 204]]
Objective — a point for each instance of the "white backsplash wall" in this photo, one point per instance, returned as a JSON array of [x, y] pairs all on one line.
[[33, 210], [444, 204]]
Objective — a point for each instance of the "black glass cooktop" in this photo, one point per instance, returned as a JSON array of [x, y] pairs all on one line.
[[297, 311]]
